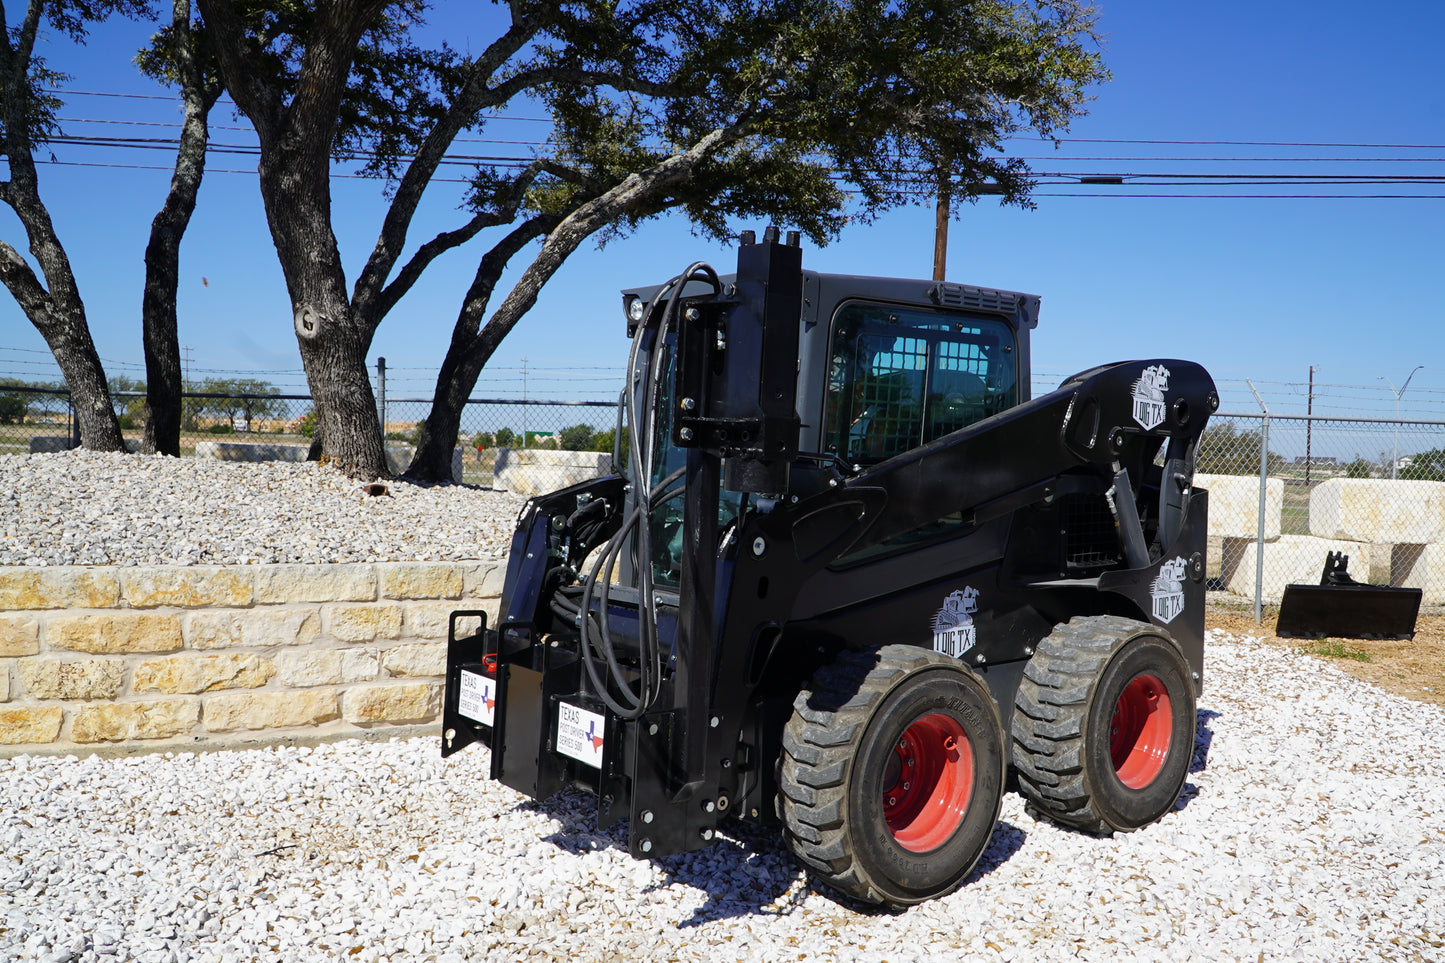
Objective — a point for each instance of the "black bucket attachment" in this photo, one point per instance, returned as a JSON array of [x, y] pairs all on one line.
[[1340, 607]]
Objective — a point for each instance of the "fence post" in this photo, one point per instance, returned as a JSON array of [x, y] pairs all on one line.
[[1263, 500], [381, 393]]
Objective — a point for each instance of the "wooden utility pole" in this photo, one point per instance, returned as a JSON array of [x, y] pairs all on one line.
[[940, 225]]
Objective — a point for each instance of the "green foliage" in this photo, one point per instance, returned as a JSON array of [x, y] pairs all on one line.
[[220, 429], [22, 399], [231, 398], [29, 110], [577, 438], [1225, 449], [12, 408], [306, 424], [1426, 466], [506, 438], [606, 441], [891, 95], [1359, 468], [1336, 650]]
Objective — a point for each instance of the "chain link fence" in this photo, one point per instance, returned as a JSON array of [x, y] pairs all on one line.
[[556, 442], [1286, 490]]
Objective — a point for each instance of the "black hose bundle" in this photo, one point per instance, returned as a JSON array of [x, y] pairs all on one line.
[[620, 696]]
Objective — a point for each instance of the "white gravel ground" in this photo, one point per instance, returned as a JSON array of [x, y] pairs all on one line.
[[1313, 828]]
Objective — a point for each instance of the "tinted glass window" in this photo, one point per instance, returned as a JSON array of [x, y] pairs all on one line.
[[900, 378]]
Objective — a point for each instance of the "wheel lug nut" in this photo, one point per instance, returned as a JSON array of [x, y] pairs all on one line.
[[907, 786]]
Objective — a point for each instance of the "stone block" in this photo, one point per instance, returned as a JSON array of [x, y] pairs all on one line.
[[212, 630], [363, 623], [431, 620], [1234, 505], [1291, 558], [329, 667], [51, 444], [483, 580], [416, 659], [250, 451], [1378, 510], [268, 710], [399, 455], [315, 583], [406, 702], [279, 627], [124, 721], [115, 634], [420, 580], [535, 472], [151, 587], [60, 587], [205, 673], [1421, 567], [4, 682], [83, 679], [23, 726], [19, 635]]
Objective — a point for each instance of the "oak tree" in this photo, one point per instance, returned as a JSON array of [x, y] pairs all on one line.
[[815, 113]]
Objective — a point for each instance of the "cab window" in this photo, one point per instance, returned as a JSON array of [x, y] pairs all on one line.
[[900, 378]]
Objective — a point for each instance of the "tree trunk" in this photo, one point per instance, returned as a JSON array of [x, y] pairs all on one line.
[[89, 395], [55, 307], [162, 257], [332, 339], [61, 321], [333, 352]]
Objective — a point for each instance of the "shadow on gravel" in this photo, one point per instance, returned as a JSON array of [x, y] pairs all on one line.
[[1203, 741], [747, 871]]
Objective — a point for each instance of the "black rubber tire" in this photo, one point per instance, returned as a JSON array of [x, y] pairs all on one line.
[[1061, 730], [837, 750]]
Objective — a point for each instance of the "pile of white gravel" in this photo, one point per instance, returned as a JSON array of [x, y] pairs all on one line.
[[1312, 827], [87, 508]]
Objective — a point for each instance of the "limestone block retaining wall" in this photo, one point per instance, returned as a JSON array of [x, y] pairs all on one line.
[[198, 657]]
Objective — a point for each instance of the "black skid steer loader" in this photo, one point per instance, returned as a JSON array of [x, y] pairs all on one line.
[[851, 576]]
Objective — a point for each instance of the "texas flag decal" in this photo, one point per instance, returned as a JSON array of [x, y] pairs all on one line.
[[580, 734]]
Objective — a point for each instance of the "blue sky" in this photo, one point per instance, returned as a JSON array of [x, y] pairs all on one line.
[[1254, 287]]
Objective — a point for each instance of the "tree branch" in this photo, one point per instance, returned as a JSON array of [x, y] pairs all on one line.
[[448, 240], [540, 76], [325, 66], [588, 218], [368, 296], [244, 75], [26, 47], [22, 283]]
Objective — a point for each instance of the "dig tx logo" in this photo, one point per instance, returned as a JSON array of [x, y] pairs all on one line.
[[953, 629], [1149, 396]]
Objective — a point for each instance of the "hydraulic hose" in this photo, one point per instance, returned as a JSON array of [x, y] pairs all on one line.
[[629, 702]]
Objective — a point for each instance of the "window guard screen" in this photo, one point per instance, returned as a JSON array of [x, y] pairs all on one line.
[[901, 378]]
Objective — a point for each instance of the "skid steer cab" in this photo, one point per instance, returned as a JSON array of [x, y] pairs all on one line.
[[850, 576]]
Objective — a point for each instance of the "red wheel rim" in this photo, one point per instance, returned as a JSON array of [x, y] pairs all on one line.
[[928, 783], [1140, 732]]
